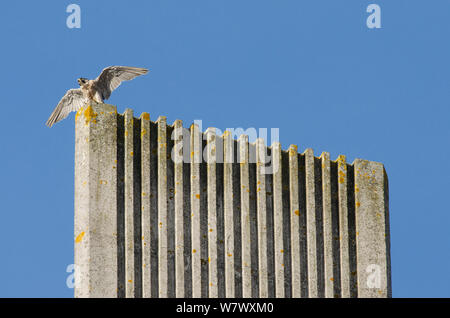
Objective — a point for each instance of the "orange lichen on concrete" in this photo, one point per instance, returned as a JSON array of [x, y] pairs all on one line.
[[79, 238], [341, 162], [90, 116], [79, 112], [341, 177], [293, 150]]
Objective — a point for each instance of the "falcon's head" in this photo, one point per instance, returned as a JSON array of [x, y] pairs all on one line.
[[82, 81]]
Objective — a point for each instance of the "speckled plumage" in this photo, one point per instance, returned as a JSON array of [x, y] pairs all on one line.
[[96, 90]]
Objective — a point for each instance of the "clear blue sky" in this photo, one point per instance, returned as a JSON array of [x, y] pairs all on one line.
[[311, 68]]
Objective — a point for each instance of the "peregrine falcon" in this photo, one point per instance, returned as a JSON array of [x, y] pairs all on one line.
[[93, 90]]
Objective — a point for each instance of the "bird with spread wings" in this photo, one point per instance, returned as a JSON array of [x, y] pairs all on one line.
[[93, 90]]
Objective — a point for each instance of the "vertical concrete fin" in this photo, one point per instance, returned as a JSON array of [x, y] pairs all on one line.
[[372, 230], [311, 224], [345, 271], [120, 201], [228, 154], [170, 176], [294, 215], [177, 157], [245, 217], [196, 158], [137, 205], [261, 195], [145, 205], [278, 220], [96, 202], [129, 205], [211, 150], [162, 207], [327, 220]]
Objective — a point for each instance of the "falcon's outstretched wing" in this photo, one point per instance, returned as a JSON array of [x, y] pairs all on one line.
[[72, 101], [112, 76]]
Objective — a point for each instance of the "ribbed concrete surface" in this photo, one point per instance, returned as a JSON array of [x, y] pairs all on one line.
[[166, 211]]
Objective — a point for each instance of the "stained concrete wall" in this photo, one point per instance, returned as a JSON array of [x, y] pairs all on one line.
[[165, 211]]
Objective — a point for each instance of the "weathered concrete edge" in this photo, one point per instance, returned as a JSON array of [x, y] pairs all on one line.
[[372, 229], [95, 207]]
